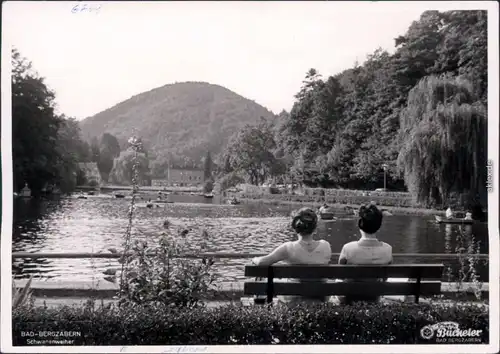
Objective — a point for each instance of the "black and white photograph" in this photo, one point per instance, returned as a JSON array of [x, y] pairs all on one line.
[[250, 176]]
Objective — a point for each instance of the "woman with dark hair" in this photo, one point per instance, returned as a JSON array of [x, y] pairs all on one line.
[[305, 250], [368, 249]]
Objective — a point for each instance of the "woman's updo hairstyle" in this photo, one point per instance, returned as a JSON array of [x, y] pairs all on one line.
[[305, 221], [370, 219]]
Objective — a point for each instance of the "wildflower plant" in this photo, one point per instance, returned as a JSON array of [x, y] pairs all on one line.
[[157, 272], [468, 251]]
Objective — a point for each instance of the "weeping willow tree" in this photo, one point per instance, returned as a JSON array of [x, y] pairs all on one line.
[[444, 141]]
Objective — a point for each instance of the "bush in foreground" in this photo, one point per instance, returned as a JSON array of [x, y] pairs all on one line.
[[302, 324]]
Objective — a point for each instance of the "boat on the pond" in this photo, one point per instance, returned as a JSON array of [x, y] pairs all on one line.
[[81, 196], [441, 220], [119, 195], [326, 215], [91, 193], [233, 202], [208, 195]]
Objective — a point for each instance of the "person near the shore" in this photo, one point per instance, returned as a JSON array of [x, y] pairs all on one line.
[[368, 249], [305, 250], [324, 208], [468, 216], [449, 213]]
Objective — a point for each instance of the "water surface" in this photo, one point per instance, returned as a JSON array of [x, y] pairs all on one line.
[[99, 223]]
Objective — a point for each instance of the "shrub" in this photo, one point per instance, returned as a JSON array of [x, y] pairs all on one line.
[[208, 186], [353, 199], [300, 324], [93, 183], [155, 275], [230, 180]]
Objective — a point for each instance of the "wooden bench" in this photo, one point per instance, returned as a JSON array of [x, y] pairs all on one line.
[[424, 280]]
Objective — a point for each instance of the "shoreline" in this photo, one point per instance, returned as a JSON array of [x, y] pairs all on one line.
[[338, 206]]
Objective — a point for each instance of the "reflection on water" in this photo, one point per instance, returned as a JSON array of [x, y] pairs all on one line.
[[99, 223]]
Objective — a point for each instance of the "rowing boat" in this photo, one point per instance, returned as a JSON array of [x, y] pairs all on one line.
[[441, 220], [326, 216]]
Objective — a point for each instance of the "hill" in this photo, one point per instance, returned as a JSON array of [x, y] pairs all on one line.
[[181, 120]]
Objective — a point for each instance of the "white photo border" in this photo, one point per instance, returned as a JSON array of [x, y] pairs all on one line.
[[493, 225]]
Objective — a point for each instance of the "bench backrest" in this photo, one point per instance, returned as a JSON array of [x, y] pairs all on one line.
[[363, 280]]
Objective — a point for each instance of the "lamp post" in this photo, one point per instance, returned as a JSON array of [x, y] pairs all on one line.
[[385, 167]]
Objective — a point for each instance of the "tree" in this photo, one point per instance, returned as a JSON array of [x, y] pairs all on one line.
[[250, 151], [95, 150], [208, 186], [110, 145], [71, 150], [45, 146], [230, 180], [208, 165], [441, 115], [105, 164], [122, 171], [348, 125]]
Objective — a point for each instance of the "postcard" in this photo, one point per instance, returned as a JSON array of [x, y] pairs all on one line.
[[253, 177]]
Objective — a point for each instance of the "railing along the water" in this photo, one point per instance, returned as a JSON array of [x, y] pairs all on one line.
[[230, 255]]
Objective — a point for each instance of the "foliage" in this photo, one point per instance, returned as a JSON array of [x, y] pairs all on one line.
[[342, 129], [104, 153], [46, 147], [110, 145], [400, 202], [251, 152], [95, 150], [208, 167], [441, 114], [180, 122], [468, 250], [159, 168], [208, 186], [21, 298], [230, 180], [81, 178], [134, 146], [105, 165], [93, 183], [301, 324], [155, 274], [122, 172]]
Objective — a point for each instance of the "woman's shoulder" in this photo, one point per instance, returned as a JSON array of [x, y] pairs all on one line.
[[385, 244], [387, 247], [325, 244]]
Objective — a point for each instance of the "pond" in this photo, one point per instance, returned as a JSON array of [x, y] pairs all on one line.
[[98, 223]]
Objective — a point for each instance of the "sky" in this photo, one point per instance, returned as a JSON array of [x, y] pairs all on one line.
[[97, 57]]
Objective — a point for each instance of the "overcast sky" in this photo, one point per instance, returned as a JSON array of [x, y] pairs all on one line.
[[260, 50]]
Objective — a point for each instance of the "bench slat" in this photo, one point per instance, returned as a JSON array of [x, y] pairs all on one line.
[[348, 288], [338, 271]]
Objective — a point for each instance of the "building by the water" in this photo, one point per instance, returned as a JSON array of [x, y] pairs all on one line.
[[180, 177]]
